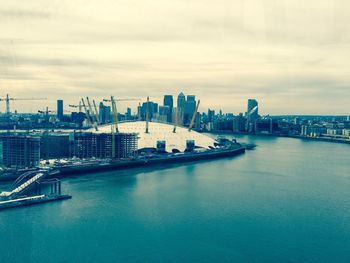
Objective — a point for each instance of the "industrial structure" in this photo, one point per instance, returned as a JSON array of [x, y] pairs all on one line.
[[7, 99]]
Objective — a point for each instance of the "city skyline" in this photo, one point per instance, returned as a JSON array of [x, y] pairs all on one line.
[[290, 60], [39, 106]]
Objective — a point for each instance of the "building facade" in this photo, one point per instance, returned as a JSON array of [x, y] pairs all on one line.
[[99, 145], [189, 109], [20, 151], [168, 102]]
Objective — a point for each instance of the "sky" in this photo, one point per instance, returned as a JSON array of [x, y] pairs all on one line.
[[291, 55]]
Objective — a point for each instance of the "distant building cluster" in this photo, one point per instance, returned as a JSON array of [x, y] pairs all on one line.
[[171, 111], [180, 113], [25, 149]]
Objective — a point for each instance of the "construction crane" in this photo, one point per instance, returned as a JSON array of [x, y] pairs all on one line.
[[80, 106], [46, 112], [8, 99], [194, 116], [108, 100]]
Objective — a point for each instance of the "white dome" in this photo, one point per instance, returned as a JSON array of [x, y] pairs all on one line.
[[161, 132]]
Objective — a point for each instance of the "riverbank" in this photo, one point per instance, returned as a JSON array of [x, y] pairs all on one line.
[[322, 139]]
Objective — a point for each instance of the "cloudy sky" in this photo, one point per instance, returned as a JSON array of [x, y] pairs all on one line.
[[292, 55]]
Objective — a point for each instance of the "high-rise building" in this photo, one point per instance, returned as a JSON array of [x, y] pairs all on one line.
[[104, 113], [253, 109], [181, 105], [252, 114], [189, 109], [60, 109], [152, 110], [168, 101]]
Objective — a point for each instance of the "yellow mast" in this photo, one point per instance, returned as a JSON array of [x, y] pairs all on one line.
[[96, 112], [194, 116], [147, 114]]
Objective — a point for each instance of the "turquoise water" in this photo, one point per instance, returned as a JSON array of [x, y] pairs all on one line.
[[286, 201]]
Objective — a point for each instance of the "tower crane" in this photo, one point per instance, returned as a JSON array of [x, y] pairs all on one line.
[[47, 111], [7, 99], [80, 106]]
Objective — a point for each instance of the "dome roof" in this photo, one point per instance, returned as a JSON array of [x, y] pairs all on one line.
[[161, 132]]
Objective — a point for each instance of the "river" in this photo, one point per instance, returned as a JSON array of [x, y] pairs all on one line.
[[286, 201]]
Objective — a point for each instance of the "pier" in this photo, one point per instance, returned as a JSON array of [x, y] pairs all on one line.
[[28, 190]]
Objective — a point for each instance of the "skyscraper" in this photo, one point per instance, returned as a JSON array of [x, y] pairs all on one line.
[[189, 109], [60, 109], [104, 113], [181, 105], [152, 109], [168, 101], [252, 106], [252, 114]]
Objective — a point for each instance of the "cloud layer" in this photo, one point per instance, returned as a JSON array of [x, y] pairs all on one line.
[[291, 55]]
